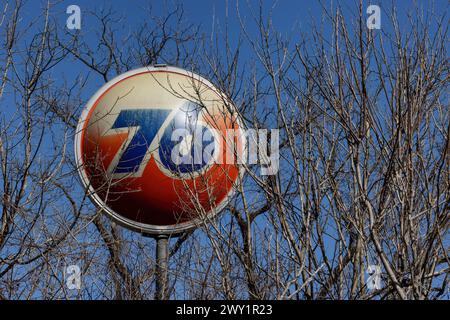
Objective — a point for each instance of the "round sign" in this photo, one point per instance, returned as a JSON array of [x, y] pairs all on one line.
[[157, 149]]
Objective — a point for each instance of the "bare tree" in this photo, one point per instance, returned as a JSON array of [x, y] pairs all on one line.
[[363, 176]]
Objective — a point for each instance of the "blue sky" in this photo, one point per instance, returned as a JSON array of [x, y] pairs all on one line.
[[291, 18]]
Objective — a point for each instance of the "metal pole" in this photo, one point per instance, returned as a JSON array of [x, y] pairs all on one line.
[[161, 267]]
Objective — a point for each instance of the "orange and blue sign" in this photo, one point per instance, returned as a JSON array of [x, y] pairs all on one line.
[[152, 147]]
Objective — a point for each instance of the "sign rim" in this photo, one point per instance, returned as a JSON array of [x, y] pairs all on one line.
[[145, 228]]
